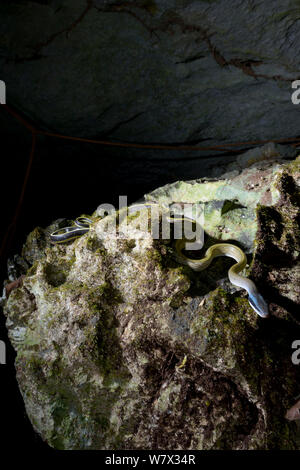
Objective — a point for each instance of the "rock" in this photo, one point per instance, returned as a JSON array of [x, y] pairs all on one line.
[[173, 71], [230, 201], [120, 347], [38, 240]]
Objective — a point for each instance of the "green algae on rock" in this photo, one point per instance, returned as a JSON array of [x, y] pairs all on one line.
[[102, 324]]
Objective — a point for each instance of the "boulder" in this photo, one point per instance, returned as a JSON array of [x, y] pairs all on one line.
[[120, 347]]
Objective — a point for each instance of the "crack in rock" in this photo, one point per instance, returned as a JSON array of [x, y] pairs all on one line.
[[38, 47], [246, 66]]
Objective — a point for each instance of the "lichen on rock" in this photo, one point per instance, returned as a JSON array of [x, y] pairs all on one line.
[[120, 347]]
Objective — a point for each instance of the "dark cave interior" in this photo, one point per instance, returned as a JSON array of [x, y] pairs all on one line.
[[70, 178]]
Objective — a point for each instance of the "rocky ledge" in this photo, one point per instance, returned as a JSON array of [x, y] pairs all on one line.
[[120, 347]]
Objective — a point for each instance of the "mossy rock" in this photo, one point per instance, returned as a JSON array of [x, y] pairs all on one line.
[[120, 347]]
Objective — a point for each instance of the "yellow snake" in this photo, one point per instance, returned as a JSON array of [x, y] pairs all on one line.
[[255, 299]]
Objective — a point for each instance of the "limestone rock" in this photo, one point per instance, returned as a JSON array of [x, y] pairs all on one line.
[[119, 347], [173, 71]]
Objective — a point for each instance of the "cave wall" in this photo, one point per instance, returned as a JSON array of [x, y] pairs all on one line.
[[170, 72], [173, 71]]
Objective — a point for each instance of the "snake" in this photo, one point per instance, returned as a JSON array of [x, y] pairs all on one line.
[[256, 301], [65, 234]]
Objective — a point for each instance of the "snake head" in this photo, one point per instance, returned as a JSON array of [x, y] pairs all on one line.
[[258, 304]]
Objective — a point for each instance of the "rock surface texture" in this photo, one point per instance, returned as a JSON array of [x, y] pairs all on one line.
[[176, 71], [120, 347], [156, 72]]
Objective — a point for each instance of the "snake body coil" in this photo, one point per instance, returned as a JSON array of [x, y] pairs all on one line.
[[256, 301]]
